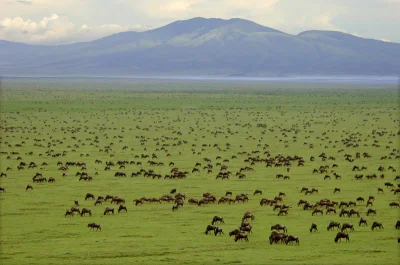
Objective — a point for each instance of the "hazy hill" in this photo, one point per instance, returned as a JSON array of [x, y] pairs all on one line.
[[207, 47]]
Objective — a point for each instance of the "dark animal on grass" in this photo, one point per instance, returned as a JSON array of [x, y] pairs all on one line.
[[277, 237], [279, 227], [98, 202], [240, 237], [315, 211], [75, 210], [336, 190], [175, 208], [85, 211], [341, 235], [122, 208], [172, 191], [292, 239], [210, 228], [248, 215], [69, 213], [376, 225], [333, 224], [394, 204], [93, 226], [217, 219], [283, 212], [218, 231], [371, 211], [89, 196], [362, 221], [109, 210], [246, 229], [347, 226], [257, 192], [360, 199], [331, 210], [313, 227], [2, 189], [354, 212], [29, 187], [343, 212], [397, 225], [234, 232]]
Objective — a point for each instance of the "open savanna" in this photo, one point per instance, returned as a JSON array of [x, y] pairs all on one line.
[[184, 123]]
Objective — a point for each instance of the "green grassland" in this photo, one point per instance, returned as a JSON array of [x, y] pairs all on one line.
[[188, 119]]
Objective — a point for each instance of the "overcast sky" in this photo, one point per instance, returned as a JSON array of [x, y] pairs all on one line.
[[68, 21]]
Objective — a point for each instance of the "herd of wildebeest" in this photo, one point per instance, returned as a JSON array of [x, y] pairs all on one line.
[[217, 166]]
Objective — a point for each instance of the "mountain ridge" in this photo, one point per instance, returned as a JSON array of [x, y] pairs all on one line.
[[208, 46]]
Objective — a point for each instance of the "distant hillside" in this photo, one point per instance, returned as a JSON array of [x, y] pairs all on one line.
[[202, 46]]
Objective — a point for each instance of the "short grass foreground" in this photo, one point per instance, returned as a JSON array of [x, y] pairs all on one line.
[[143, 149]]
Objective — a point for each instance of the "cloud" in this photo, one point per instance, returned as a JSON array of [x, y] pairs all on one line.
[[56, 30]]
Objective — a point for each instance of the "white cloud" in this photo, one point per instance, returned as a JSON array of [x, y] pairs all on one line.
[[55, 30]]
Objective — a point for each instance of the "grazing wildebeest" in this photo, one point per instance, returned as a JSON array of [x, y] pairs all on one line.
[[122, 208], [89, 196], [292, 239], [234, 232], [353, 212], [175, 208], [172, 191], [29, 187], [397, 225], [283, 211], [228, 193], [137, 202], [257, 192], [210, 228], [362, 221], [108, 210], [347, 226], [336, 190], [218, 231], [371, 211], [241, 236], [217, 219], [313, 227], [248, 215], [315, 211], [246, 229], [394, 204], [93, 226], [380, 190], [376, 225], [333, 224], [69, 213], [277, 237], [85, 211], [279, 227], [341, 235]]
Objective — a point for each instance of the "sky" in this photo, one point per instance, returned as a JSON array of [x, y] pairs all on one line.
[[55, 22]]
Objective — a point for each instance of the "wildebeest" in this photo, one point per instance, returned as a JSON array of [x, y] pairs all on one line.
[[394, 204], [341, 235], [241, 236], [277, 237], [291, 239], [257, 192], [248, 215], [2, 189], [371, 211], [333, 224], [376, 225], [172, 191], [397, 225], [29, 187], [234, 232], [69, 213], [217, 219], [279, 227], [108, 210], [347, 226], [362, 221], [85, 211], [93, 226], [210, 228], [122, 208], [315, 211], [89, 196], [313, 227], [217, 231]]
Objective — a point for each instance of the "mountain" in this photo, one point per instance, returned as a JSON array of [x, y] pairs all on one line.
[[202, 46]]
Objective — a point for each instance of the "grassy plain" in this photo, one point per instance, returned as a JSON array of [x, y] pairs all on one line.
[[32, 223]]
